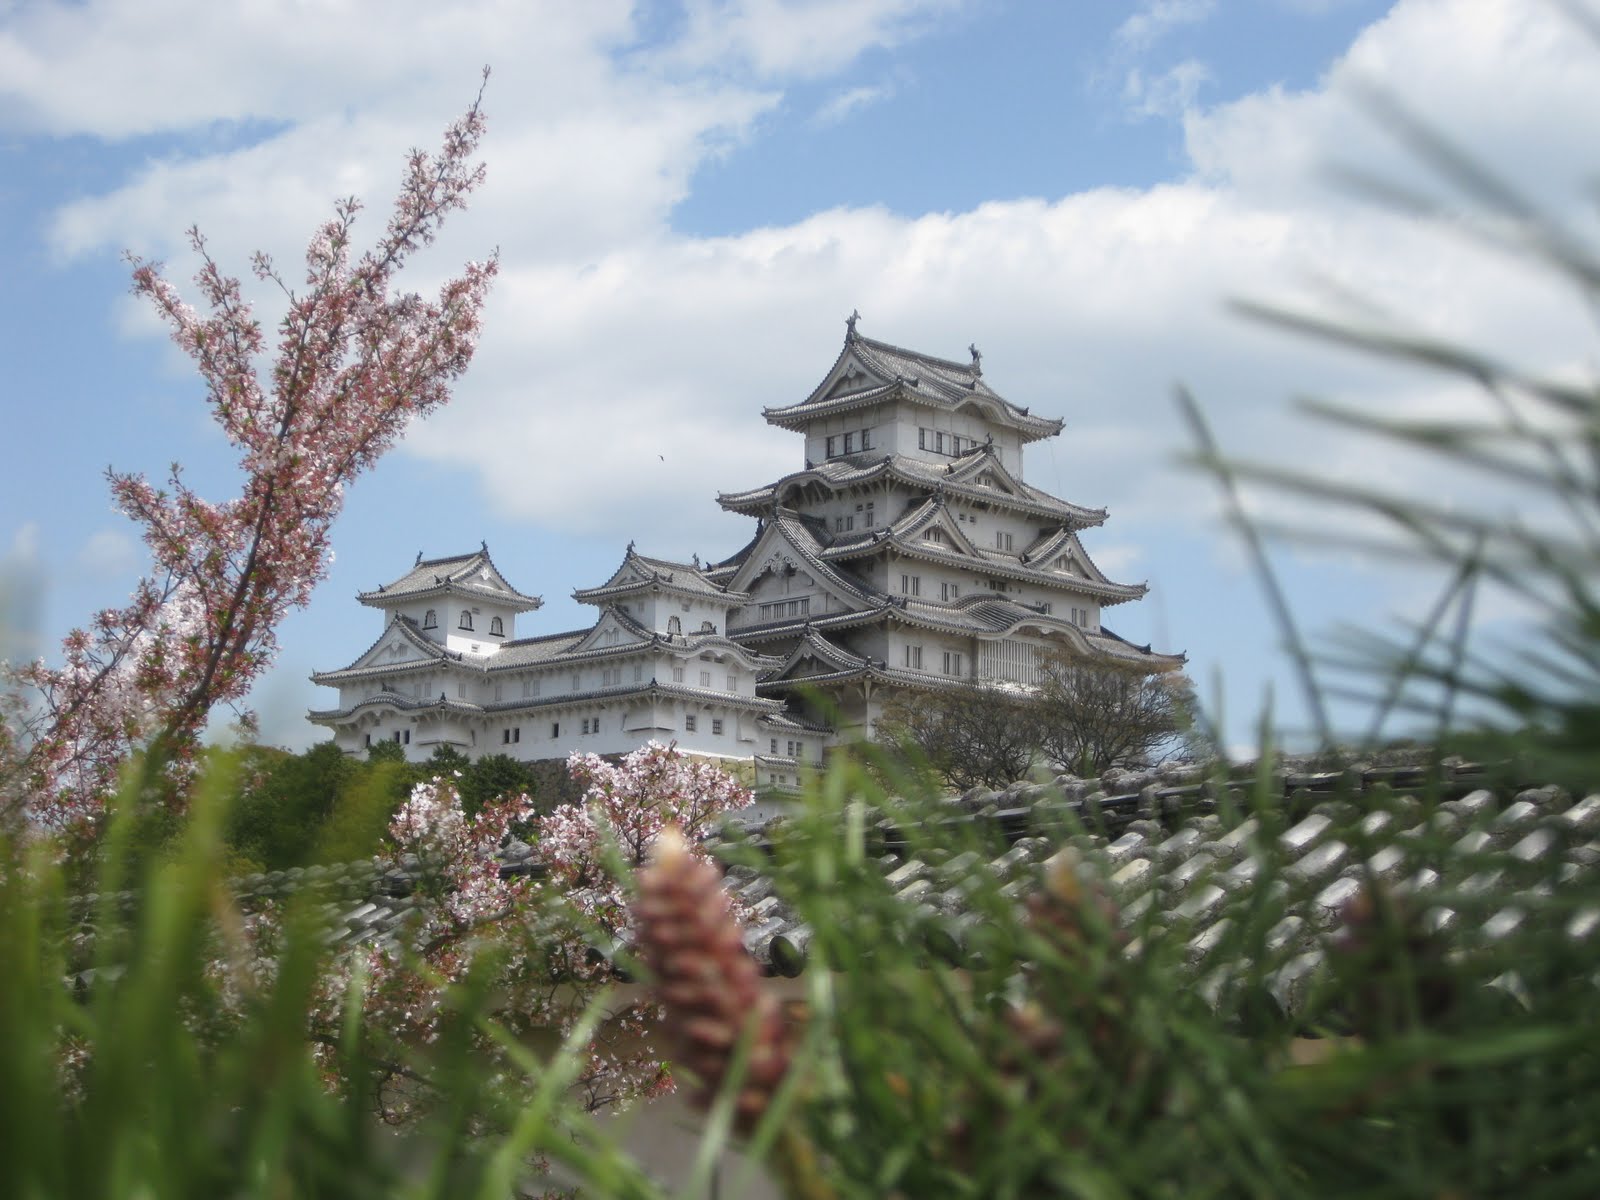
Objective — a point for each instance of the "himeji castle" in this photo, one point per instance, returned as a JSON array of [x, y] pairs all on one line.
[[907, 553]]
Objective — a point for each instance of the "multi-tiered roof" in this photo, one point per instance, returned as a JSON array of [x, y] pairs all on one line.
[[934, 449]]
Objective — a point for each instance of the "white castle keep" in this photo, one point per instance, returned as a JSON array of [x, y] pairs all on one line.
[[908, 553]]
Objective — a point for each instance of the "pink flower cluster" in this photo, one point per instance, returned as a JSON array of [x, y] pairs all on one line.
[[545, 936], [353, 363]]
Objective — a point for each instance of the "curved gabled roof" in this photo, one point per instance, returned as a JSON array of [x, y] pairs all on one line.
[[432, 653], [907, 537], [638, 573], [787, 535], [471, 574], [977, 475], [870, 372]]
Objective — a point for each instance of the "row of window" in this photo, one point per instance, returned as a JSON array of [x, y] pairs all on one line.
[[911, 585], [691, 724], [796, 749], [780, 609], [400, 737], [941, 442], [848, 443], [954, 661], [846, 523], [497, 627]]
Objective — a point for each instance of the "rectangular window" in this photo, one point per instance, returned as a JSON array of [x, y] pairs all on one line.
[[461, 691], [497, 691], [922, 439], [716, 725], [586, 726], [949, 591], [791, 749], [935, 535], [774, 744], [688, 722], [705, 679], [849, 443], [867, 523], [914, 657], [505, 737], [577, 681], [866, 439], [832, 446], [1002, 541], [555, 729], [733, 683], [677, 674], [638, 672], [952, 662], [516, 734], [911, 585]]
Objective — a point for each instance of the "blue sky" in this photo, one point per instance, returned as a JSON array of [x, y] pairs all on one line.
[[689, 199]]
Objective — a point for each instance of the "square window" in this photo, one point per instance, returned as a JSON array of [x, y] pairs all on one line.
[[705, 679], [688, 722], [716, 725]]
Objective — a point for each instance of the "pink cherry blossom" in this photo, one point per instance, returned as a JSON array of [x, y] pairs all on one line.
[[352, 362]]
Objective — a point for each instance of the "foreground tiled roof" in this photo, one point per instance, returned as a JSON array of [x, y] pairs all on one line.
[[1176, 850], [1166, 849]]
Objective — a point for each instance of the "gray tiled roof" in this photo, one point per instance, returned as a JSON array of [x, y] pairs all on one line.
[[1178, 852], [687, 578], [935, 381], [454, 573], [1166, 848], [957, 477]]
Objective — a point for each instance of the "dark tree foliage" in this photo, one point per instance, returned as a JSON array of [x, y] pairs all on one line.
[[494, 776], [1094, 717], [972, 737]]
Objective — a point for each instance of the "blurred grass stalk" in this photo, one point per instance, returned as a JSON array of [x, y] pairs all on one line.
[[1537, 700]]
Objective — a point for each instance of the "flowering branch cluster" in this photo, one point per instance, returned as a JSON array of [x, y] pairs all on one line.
[[544, 936], [353, 362]]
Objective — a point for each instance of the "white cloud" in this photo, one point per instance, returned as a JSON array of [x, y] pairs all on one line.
[[624, 367], [1154, 19], [845, 104], [1170, 93], [797, 38]]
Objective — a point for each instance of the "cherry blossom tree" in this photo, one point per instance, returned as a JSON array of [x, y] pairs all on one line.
[[545, 938], [353, 362]]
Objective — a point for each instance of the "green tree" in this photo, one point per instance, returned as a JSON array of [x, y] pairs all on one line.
[[494, 777], [1092, 717], [971, 737]]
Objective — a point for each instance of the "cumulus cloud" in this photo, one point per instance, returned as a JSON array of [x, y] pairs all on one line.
[[625, 365]]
